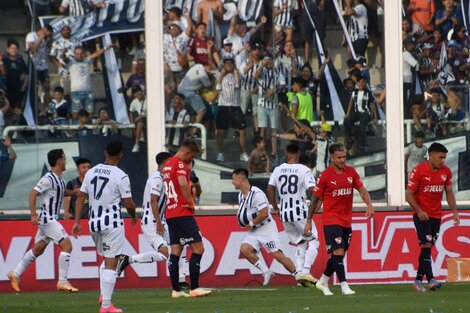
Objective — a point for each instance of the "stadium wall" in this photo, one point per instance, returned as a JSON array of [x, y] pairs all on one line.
[[384, 250]]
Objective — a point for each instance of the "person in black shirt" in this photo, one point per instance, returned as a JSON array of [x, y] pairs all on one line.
[[16, 74], [83, 165]]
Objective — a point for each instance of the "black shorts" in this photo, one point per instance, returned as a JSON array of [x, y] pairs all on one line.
[[230, 117], [183, 230], [337, 237], [43, 76], [428, 231]]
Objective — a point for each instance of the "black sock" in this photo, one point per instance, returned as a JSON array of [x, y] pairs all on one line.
[[173, 268], [329, 270], [426, 262], [420, 272], [194, 269], [339, 267]]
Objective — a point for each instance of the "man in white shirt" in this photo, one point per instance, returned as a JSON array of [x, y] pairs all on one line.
[[410, 65]]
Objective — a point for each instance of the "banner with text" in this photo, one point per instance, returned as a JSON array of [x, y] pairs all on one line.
[[384, 250]]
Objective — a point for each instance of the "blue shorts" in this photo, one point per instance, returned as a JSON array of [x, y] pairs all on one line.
[[196, 103], [183, 230], [337, 237]]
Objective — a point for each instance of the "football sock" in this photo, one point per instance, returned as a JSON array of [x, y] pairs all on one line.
[[147, 257], [426, 262], [261, 265], [27, 259], [108, 280], [300, 256], [101, 275], [173, 268], [311, 253], [183, 264], [329, 270], [339, 267], [64, 261], [344, 286], [324, 279], [420, 272], [194, 269]]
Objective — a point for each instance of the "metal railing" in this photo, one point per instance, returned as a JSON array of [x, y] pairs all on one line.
[[199, 126], [52, 128]]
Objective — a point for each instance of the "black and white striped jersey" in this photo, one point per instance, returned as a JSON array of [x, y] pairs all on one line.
[[78, 7], [229, 91], [249, 206], [51, 187], [106, 185], [358, 23], [292, 182], [154, 186], [286, 17], [270, 78], [249, 82], [323, 154]]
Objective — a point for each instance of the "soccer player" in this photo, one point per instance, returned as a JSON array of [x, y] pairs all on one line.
[[51, 188], [182, 226], [105, 185], [153, 223], [253, 215], [335, 188], [426, 184], [292, 180]]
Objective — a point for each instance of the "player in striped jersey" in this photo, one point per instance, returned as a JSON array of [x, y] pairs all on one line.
[[51, 188], [291, 180], [253, 215], [106, 185]]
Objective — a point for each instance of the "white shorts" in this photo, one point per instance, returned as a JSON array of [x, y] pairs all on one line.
[[110, 242], [51, 231], [155, 240], [295, 231], [266, 236]]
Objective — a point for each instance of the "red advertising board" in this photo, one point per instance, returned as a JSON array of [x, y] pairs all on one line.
[[384, 249]]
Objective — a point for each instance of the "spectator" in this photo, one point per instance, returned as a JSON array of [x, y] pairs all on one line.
[[311, 81], [136, 80], [83, 121], [201, 49], [80, 8], [139, 54], [284, 12], [361, 108], [427, 67], [435, 112], [422, 15], [460, 36], [174, 48], [80, 79], [61, 51], [211, 12], [418, 111], [3, 73], [321, 148], [177, 115], [457, 62], [410, 65], [83, 165], [269, 82], [317, 10], [259, 161], [448, 17], [226, 51], [104, 121], [4, 108], [241, 37], [289, 63], [58, 111], [358, 26], [301, 102], [6, 150], [37, 45], [229, 114], [405, 28], [415, 153], [16, 76], [173, 16], [303, 135], [138, 115]]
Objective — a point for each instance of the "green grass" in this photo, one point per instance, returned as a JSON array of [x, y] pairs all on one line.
[[451, 298]]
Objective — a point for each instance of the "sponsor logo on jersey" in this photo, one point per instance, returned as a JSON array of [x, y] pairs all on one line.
[[434, 188], [184, 241], [342, 192], [338, 240]]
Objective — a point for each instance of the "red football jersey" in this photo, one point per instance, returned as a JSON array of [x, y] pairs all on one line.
[[428, 186], [200, 50], [175, 201], [337, 191]]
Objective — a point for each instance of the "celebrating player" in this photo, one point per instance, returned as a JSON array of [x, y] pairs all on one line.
[[426, 185], [335, 188], [51, 187], [182, 225], [253, 215], [292, 180], [105, 185]]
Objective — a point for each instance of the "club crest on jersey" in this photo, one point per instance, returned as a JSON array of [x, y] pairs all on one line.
[[444, 178], [428, 237], [350, 180], [338, 240], [180, 165]]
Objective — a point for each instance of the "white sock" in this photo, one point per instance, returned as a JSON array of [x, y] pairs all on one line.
[[64, 261], [261, 265], [108, 280], [101, 275], [147, 257], [300, 256], [27, 259], [311, 254], [324, 279], [182, 264], [344, 286]]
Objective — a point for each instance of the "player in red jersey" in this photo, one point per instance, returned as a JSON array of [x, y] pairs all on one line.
[[182, 226], [335, 187], [426, 184]]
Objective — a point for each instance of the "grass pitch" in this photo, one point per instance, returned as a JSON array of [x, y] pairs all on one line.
[[451, 298]]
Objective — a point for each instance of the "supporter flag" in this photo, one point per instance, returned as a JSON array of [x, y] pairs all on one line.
[[465, 6], [333, 97], [345, 30], [29, 99]]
